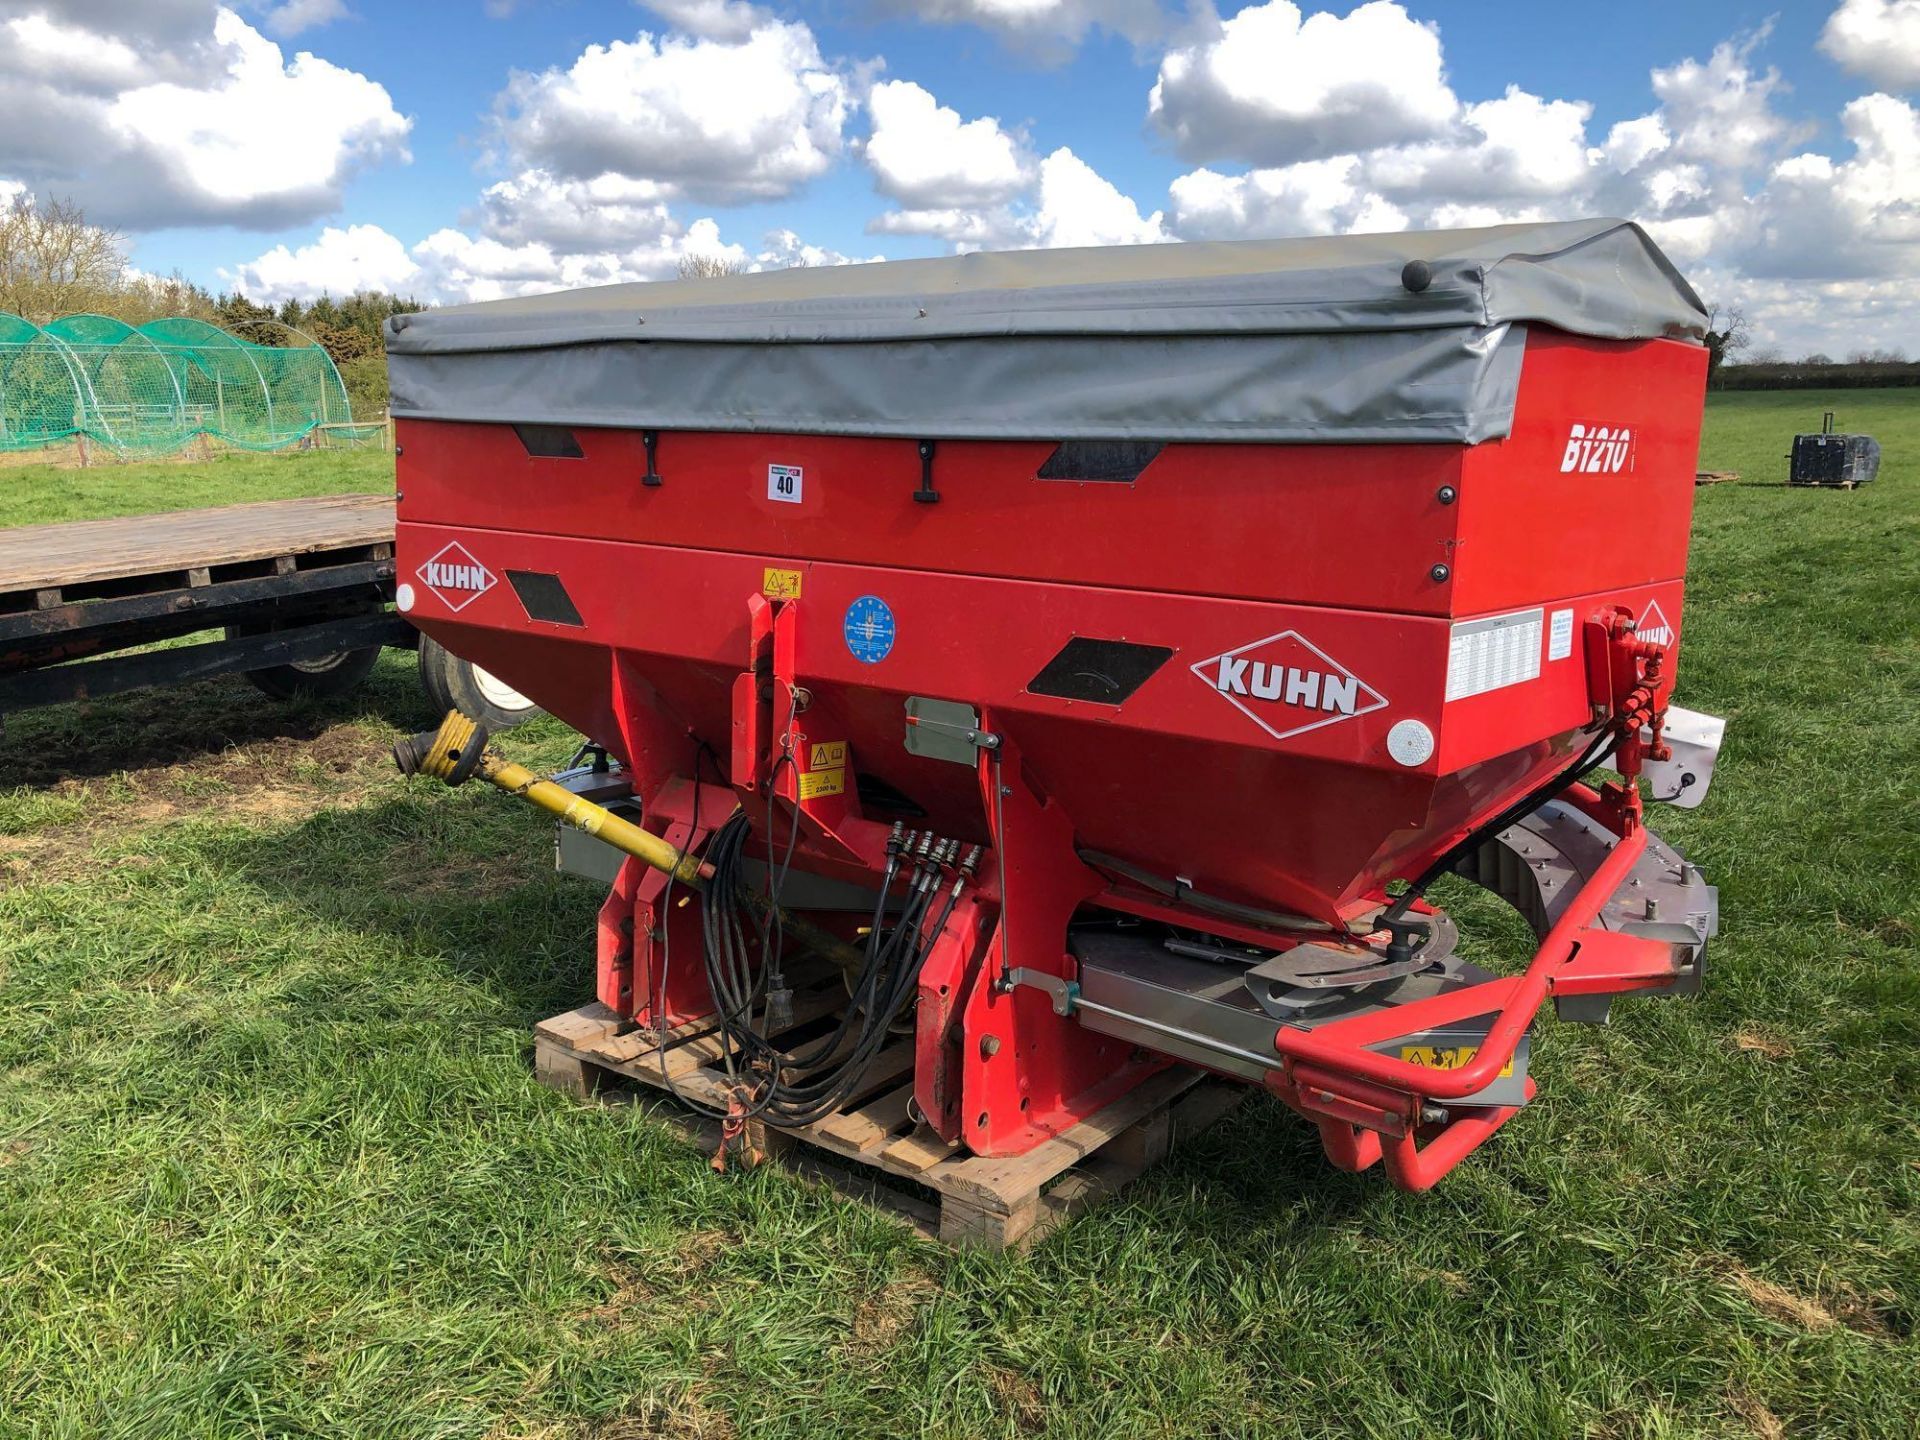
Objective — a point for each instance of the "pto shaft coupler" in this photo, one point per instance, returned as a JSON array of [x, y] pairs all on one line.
[[457, 752]]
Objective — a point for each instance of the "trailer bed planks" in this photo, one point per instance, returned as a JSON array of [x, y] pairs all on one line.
[[82, 554], [288, 582]]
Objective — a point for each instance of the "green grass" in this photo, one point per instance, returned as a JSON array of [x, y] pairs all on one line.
[[271, 1161], [34, 494]]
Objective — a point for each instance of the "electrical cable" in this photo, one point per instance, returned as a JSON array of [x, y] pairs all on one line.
[[1590, 760]]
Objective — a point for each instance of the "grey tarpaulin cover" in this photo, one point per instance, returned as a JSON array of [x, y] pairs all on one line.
[[1258, 340]]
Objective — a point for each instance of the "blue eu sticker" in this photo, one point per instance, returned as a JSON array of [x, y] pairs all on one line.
[[869, 629]]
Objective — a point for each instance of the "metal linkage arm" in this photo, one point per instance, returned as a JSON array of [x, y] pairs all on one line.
[[1342, 1047]]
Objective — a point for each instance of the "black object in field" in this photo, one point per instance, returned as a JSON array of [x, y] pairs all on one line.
[[1839, 461]]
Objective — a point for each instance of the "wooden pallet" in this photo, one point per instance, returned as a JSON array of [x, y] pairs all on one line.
[[873, 1148], [1714, 477]]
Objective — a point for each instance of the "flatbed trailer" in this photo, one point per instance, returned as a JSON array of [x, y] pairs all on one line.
[[300, 589]]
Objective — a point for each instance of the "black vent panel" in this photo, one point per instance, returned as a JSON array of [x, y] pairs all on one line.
[[549, 442], [1105, 672], [543, 597], [1120, 461]]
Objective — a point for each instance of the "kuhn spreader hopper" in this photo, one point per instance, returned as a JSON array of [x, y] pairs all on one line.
[[1077, 646]]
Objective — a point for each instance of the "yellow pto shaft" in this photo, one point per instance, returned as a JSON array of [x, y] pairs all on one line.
[[457, 752]]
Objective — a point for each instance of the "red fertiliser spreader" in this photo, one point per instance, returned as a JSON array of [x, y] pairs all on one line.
[[1097, 656]]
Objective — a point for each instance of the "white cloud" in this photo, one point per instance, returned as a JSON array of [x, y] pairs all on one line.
[[963, 229], [1857, 219], [607, 211], [1722, 112], [1879, 39], [720, 120], [785, 250], [360, 257], [452, 265], [1517, 157], [1709, 171], [291, 17], [1632, 142], [1271, 87], [729, 20], [71, 56], [149, 122], [456, 266], [1070, 204], [1516, 146], [1525, 157], [1315, 197], [1053, 26], [1079, 207], [923, 155]]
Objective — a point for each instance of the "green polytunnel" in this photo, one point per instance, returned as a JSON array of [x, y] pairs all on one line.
[[42, 394], [157, 387], [130, 391], [255, 396]]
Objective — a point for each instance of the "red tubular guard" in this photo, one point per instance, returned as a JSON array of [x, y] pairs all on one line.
[[1409, 1165], [1341, 1047], [1369, 1106]]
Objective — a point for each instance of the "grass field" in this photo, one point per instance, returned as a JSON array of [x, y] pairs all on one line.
[[35, 494], [272, 1163]]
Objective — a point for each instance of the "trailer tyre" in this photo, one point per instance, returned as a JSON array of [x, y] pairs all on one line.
[[455, 684], [316, 679]]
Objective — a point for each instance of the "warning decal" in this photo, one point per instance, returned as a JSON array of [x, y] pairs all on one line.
[[1446, 1057], [777, 584], [826, 772]]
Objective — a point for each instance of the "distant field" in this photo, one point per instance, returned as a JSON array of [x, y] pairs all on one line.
[[32, 494], [272, 1163]]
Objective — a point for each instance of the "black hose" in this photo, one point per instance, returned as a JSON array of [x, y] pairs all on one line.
[[879, 994], [1590, 760]]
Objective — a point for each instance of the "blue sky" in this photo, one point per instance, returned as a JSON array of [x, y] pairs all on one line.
[[287, 146]]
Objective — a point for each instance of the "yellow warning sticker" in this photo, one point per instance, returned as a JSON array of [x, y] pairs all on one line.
[[780, 584], [827, 754], [816, 783], [1446, 1057]]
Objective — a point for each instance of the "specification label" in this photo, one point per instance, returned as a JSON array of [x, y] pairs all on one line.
[[1493, 653]]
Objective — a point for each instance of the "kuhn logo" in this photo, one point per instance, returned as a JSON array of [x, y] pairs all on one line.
[[1652, 625], [1598, 449], [1287, 685], [456, 577]]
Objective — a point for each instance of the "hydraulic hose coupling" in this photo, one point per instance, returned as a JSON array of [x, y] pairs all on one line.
[[970, 865], [451, 753]]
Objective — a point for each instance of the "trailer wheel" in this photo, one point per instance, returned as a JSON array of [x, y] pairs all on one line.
[[455, 684], [316, 679]]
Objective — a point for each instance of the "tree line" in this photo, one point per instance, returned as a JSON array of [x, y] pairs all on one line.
[[54, 262]]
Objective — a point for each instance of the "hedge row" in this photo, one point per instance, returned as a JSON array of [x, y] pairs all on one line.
[[1800, 375]]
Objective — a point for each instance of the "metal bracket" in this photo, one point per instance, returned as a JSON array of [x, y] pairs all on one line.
[[926, 494], [946, 730], [1065, 994], [651, 439]]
